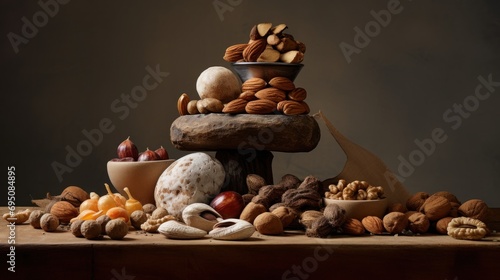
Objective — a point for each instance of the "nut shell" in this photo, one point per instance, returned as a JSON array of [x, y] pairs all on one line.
[[353, 227], [268, 223], [395, 222], [49, 222], [416, 201], [418, 223], [373, 224], [474, 208], [64, 211], [436, 207]]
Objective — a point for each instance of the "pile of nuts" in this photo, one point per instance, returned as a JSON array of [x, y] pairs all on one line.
[[279, 95], [267, 43]]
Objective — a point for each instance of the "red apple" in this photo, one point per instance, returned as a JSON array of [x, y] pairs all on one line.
[[229, 204]]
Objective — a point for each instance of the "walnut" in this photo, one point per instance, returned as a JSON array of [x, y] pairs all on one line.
[[474, 208], [152, 225], [442, 225], [416, 201], [448, 195], [436, 207], [373, 224], [395, 222], [467, 228], [418, 222]]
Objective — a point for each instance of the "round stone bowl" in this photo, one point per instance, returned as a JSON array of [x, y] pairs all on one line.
[[358, 209], [140, 177], [266, 70]]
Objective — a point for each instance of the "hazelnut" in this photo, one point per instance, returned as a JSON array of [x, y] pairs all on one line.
[[418, 223], [395, 222], [353, 227], [116, 229], [103, 220], [251, 211], [308, 217], [90, 229], [64, 211], [35, 217], [159, 213], [76, 228], [286, 214], [137, 218], [49, 222], [442, 225], [373, 224], [254, 183], [148, 208], [474, 208], [416, 201], [268, 223], [436, 207]]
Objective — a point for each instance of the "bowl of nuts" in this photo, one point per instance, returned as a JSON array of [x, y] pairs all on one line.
[[358, 198], [266, 70], [137, 171]]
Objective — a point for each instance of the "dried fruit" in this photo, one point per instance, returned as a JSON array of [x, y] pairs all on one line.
[[118, 212], [127, 148], [131, 204]]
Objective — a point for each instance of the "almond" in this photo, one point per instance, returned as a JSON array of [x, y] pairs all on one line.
[[294, 108], [234, 53], [281, 105], [235, 106], [293, 56], [269, 55], [252, 52], [271, 93], [282, 83], [353, 227], [182, 104], [298, 94], [373, 224], [253, 84], [260, 106], [247, 95]]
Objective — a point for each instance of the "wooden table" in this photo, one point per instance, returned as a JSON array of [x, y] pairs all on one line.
[[60, 255]]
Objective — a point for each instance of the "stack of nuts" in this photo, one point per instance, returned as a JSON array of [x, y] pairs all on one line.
[[279, 95], [267, 43]]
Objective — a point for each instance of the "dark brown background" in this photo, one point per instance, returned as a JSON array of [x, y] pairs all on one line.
[[393, 92]]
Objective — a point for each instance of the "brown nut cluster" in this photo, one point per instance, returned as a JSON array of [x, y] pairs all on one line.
[[267, 43], [278, 95], [356, 190]]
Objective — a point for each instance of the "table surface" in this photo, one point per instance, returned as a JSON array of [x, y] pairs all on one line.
[[287, 256]]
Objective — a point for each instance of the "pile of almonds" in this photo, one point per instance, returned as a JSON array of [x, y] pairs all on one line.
[[279, 95], [267, 43]]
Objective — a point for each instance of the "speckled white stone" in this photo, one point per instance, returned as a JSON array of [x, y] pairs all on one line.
[[196, 177]]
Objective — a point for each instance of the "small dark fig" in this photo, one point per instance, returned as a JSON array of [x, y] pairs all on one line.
[[148, 155], [162, 153], [127, 148]]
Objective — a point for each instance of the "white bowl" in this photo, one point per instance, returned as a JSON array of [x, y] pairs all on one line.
[[358, 209]]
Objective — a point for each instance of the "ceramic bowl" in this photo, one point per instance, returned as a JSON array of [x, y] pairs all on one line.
[[139, 176], [266, 70], [358, 209]]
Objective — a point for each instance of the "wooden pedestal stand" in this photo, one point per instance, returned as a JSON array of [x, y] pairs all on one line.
[[244, 142]]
